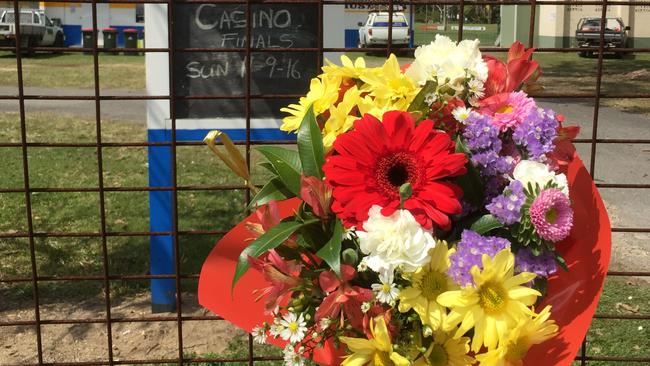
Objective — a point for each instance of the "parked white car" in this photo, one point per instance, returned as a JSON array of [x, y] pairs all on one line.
[[36, 29], [374, 32]]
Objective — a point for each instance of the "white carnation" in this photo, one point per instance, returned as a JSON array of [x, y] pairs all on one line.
[[395, 240], [444, 60], [533, 172]]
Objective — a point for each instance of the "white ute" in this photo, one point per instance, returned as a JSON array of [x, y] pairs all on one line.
[[36, 29], [375, 30]]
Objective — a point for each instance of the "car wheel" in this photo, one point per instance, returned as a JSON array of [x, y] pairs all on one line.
[[58, 41], [360, 44], [582, 53]]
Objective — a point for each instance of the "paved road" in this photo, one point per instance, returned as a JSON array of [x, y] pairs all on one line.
[[123, 110], [615, 163]]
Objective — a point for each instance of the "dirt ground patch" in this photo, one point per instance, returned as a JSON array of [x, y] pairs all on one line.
[[131, 340]]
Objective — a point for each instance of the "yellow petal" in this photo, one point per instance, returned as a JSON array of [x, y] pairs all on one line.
[[399, 360], [358, 345], [356, 360], [524, 295], [380, 332], [519, 279], [457, 298]]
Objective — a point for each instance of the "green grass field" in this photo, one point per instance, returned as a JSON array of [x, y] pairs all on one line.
[[78, 212], [74, 70], [198, 210]]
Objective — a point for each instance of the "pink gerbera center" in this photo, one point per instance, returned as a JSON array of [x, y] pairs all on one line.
[[551, 214], [395, 169]]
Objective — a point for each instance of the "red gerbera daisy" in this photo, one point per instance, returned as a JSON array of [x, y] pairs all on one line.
[[374, 160]]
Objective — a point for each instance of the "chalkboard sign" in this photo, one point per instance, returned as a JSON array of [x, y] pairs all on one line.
[[223, 73]]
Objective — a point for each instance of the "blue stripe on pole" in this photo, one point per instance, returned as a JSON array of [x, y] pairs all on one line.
[[161, 251]]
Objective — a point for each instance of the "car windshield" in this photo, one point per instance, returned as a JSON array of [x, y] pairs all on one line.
[[398, 21], [24, 18], [612, 24]]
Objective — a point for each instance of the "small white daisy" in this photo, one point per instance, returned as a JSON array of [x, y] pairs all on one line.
[[349, 233], [362, 266], [365, 306], [276, 328], [430, 98], [259, 335], [386, 291], [461, 113], [324, 323], [291, 358], [476, 88], [474, 101], [294, 327]]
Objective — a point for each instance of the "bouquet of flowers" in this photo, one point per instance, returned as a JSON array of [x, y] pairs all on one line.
[[419, 219]]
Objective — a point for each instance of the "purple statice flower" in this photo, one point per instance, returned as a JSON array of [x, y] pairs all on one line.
[[507, 207], [542, 265], [537, 133], [483, 141], [469, 252]]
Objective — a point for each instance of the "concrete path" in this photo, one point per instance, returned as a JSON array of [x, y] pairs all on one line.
[[123, 110]]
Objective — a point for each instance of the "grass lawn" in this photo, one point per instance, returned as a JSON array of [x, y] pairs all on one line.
[[78, 212], [128, 211], [74, 70]]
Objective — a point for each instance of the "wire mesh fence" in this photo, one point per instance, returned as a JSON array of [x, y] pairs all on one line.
[[100, 148]]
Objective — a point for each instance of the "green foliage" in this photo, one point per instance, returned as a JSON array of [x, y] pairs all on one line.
[[418, 104], [485, 224], [269, 240], [331, 252], [310, 146], [287, 165], [274, 190], [471, 181]]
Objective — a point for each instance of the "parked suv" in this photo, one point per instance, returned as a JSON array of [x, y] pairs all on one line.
[[374, 32], [588, 34]]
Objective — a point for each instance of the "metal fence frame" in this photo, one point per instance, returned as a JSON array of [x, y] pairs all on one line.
[[106, 277]]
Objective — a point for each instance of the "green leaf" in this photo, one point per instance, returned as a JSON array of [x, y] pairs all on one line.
[[269, 240], [287, 165], [274, 190], [268, 166], [560, 260], [485, 224], [471, 182], [418, 103], [331, 251], [310, 146]]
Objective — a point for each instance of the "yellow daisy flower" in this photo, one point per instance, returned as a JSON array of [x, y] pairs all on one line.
[[445, 350], [495, 305], [348, 69], [426, 284], [323, 92], [340, 120], [532, 331], [389, 84], [377, 351]]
